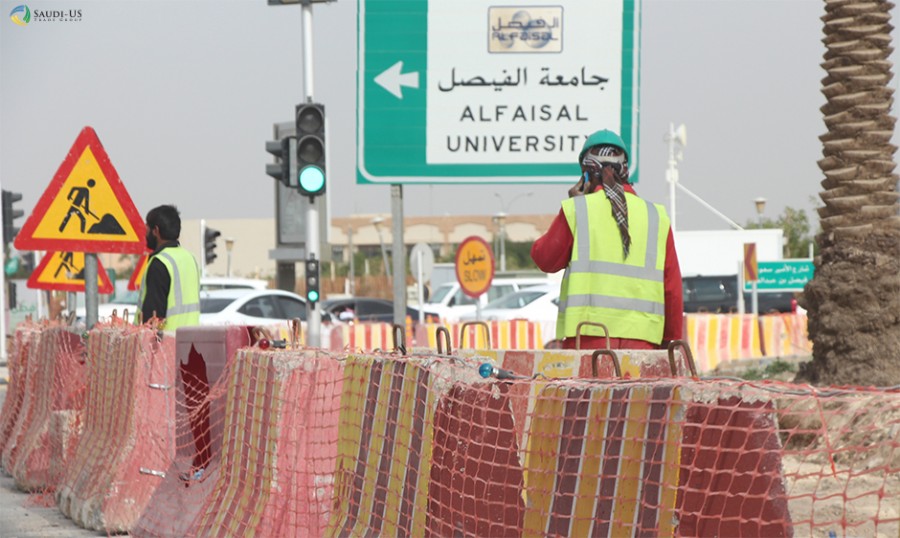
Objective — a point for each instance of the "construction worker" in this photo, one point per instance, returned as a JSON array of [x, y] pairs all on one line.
[[619, 255], [170, 290]]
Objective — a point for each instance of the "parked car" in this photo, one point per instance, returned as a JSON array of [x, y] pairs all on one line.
[[227, 283], [251, 307], [718, 294], [449, 302], [366, 309], [535, 303], [119, 303]]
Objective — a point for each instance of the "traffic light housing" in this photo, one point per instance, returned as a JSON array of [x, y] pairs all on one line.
[[312, 281], [310, 130], [209, 244], [10, 214], [284, 170], [27, 262]]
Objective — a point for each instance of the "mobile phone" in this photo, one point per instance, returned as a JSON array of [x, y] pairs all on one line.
[[585, 180]]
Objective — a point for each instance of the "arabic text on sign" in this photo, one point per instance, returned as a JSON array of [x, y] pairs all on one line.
[[506, 80]]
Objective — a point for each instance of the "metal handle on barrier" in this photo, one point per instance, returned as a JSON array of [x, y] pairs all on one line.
[[437, 334], [595, 370], [487, 332], [688, 356], [296, 332], [401, 347], [594, 324], [261, 333]]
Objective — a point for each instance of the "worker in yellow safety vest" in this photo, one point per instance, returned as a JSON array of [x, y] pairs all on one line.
[[170, 290], [619, 255]]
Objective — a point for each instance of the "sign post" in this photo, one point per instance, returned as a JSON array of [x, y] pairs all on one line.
[[472, 92], [751, 274], [474, 268], [421, 262]]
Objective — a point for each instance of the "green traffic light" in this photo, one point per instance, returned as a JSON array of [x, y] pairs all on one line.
[[312, 296], [312, 179]]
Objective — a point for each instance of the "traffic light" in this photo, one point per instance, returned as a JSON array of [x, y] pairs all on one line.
[[9, 215], [27, 262], [284, 170], [312, 281], [209, 244], [310, 124]]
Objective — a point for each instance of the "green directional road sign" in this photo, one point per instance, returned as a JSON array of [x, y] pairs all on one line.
[[471, 91], [783, 275]]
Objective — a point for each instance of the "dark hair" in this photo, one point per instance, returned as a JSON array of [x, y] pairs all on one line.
[[168, 220]]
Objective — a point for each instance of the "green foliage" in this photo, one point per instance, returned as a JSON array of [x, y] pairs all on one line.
[[773, 370], [795, 224], [518, 256]]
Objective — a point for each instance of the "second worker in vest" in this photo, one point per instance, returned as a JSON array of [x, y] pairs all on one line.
[[170, 290], [619, 256]]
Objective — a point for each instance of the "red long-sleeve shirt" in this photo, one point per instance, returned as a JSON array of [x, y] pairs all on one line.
[[552, 252]]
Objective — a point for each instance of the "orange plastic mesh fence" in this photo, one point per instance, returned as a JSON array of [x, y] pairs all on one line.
[[307, 442]]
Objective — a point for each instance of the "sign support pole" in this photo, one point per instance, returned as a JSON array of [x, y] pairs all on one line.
[[399, 257], [420, 282], [313, 317], [91, 297]]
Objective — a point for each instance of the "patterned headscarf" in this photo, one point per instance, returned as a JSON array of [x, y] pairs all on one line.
[[592, 164]]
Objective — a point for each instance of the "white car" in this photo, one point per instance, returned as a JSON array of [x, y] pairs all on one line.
[[251, 307], [450, 303], [210, 283], [537, 303]]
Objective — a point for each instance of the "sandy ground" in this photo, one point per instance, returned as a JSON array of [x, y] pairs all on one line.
[[819, 497]]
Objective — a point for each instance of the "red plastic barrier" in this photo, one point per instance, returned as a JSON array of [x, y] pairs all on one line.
[[128, 438], [55, 383], [26, 336], [731, 471], [275, 471], [476, 476], [202, 355]]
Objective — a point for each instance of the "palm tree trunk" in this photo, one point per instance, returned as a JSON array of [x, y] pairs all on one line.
[[854, 298]]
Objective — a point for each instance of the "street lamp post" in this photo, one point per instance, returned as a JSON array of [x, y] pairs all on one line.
[[377, 223], [351, 286], [760, 207], [501, 220], [501, 224], [229, 244]]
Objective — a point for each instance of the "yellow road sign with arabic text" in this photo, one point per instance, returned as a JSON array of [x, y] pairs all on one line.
[[474, 266]]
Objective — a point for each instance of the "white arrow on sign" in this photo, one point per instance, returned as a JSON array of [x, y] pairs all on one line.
[[391, 79]]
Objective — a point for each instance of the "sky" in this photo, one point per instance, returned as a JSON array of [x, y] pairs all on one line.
[[183, 96]]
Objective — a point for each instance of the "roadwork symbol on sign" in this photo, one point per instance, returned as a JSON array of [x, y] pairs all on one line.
[[64, 271], [85, 208]]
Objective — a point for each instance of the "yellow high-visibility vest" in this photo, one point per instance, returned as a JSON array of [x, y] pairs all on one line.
[[600, 285], [183, 301]]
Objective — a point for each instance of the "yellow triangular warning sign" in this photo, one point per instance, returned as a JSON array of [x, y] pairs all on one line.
[[64, 271], [85, 208]]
